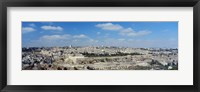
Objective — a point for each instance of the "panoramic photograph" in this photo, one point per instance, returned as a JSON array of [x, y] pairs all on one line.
[[99, 45]]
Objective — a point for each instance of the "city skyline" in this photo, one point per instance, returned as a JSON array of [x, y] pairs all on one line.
[[122, 34]]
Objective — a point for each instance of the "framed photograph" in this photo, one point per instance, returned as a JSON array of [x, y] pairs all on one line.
[[85, 45]]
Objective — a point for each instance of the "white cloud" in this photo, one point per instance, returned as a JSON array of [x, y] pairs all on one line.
[[92, 40], [109, 26], [165, 30], [139, 33], [107, 35], [27, 29], [66, 40], [121, 30], [98, 33], [138, 43], [54, 28], [126, 31], [62, 37], [56, 37], [132, 33], [80, 36], [32, 25], [121, 39], [62, 40]]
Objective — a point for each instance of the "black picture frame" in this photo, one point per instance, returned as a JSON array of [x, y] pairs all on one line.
[[99, 3]]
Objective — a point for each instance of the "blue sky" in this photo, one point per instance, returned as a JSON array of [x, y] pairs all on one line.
[[122, 34]]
